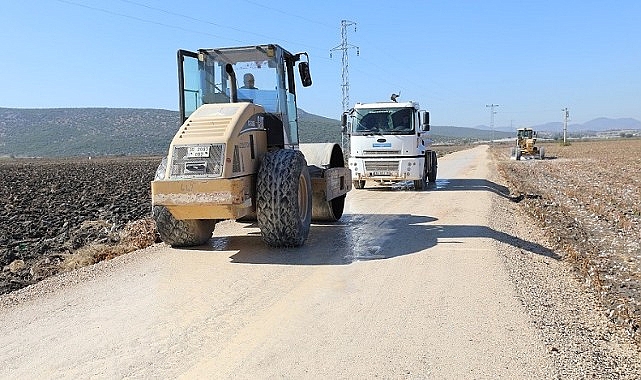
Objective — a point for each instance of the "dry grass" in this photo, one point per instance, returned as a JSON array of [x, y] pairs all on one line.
[[135, 235], [588, 200]]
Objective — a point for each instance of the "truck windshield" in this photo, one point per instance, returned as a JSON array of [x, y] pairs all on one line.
[[525, 133], [383, 121]]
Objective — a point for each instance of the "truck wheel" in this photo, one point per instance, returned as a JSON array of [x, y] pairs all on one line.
[[431, 175], [421, 184], [358, 184], [284, 198], [181, 233]]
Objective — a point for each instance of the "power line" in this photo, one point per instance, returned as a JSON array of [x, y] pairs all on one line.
[[191, 18], [288, 14], [141, 19], [148, 21], [269, 38]]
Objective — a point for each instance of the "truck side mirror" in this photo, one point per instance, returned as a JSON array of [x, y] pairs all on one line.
[[305, 75], [425, 121], [344, 122]]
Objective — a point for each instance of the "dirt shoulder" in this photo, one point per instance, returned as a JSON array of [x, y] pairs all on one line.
[[585, 197], [574, 317]]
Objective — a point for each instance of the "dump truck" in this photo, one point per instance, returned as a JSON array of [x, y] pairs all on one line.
[[389, 144], [526, 145], [237, 154]]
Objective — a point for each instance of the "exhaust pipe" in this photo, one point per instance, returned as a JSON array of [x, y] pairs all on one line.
[[233, 91]]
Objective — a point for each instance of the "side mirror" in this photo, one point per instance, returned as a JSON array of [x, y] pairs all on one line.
[[305, 76], [344, 122], [425, 121]]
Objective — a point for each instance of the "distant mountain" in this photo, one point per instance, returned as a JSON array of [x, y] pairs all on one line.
[[62, 132], [605, 124], [443, 132], [597, 125]]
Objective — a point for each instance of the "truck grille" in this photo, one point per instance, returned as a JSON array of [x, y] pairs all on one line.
[[188, 167], [382, 168], [381, 152]]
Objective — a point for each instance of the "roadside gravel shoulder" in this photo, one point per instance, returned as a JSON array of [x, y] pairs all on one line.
[[62, 282], [580, 339]]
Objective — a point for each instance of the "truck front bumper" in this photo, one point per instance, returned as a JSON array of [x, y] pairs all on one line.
[[382, 169]]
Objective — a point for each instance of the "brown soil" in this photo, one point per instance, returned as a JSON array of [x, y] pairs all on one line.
[[586, 198], [59, 214]]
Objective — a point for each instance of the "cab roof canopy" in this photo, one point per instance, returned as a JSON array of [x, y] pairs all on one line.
[[248, 53], [408, 104]]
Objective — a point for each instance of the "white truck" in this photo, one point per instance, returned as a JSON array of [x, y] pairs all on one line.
[[388, 144]]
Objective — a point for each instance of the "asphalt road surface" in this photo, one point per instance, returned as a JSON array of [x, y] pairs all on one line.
[[407, 285]]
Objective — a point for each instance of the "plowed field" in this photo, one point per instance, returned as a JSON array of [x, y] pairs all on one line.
[[587, 197], [56, 215]]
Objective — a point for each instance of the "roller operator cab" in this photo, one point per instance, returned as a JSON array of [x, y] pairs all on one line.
[[389, 144], [237, 152]]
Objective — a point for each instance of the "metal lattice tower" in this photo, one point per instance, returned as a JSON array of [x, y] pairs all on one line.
[[492, 113], [344, 46]]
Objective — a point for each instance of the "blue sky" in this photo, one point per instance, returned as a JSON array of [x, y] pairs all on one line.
[[532, 58]]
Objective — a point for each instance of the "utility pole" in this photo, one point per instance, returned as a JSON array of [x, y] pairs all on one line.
[[492, 112], [566, 117], [344, 47]]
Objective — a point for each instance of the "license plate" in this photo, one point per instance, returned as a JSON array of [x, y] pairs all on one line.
[[197, 151], [380, 173]]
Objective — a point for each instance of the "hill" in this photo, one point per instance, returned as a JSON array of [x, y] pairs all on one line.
[[59, 132], [600, 124], [450, 134], [66, 132], [314, 128]]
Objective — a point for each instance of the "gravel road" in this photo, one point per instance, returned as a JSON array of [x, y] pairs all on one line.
[[447, 283]]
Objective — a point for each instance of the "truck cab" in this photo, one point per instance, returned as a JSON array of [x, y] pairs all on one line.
[[389, 143]]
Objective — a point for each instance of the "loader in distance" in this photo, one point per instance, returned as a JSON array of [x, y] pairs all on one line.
[[526, 145], [237, 153]]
